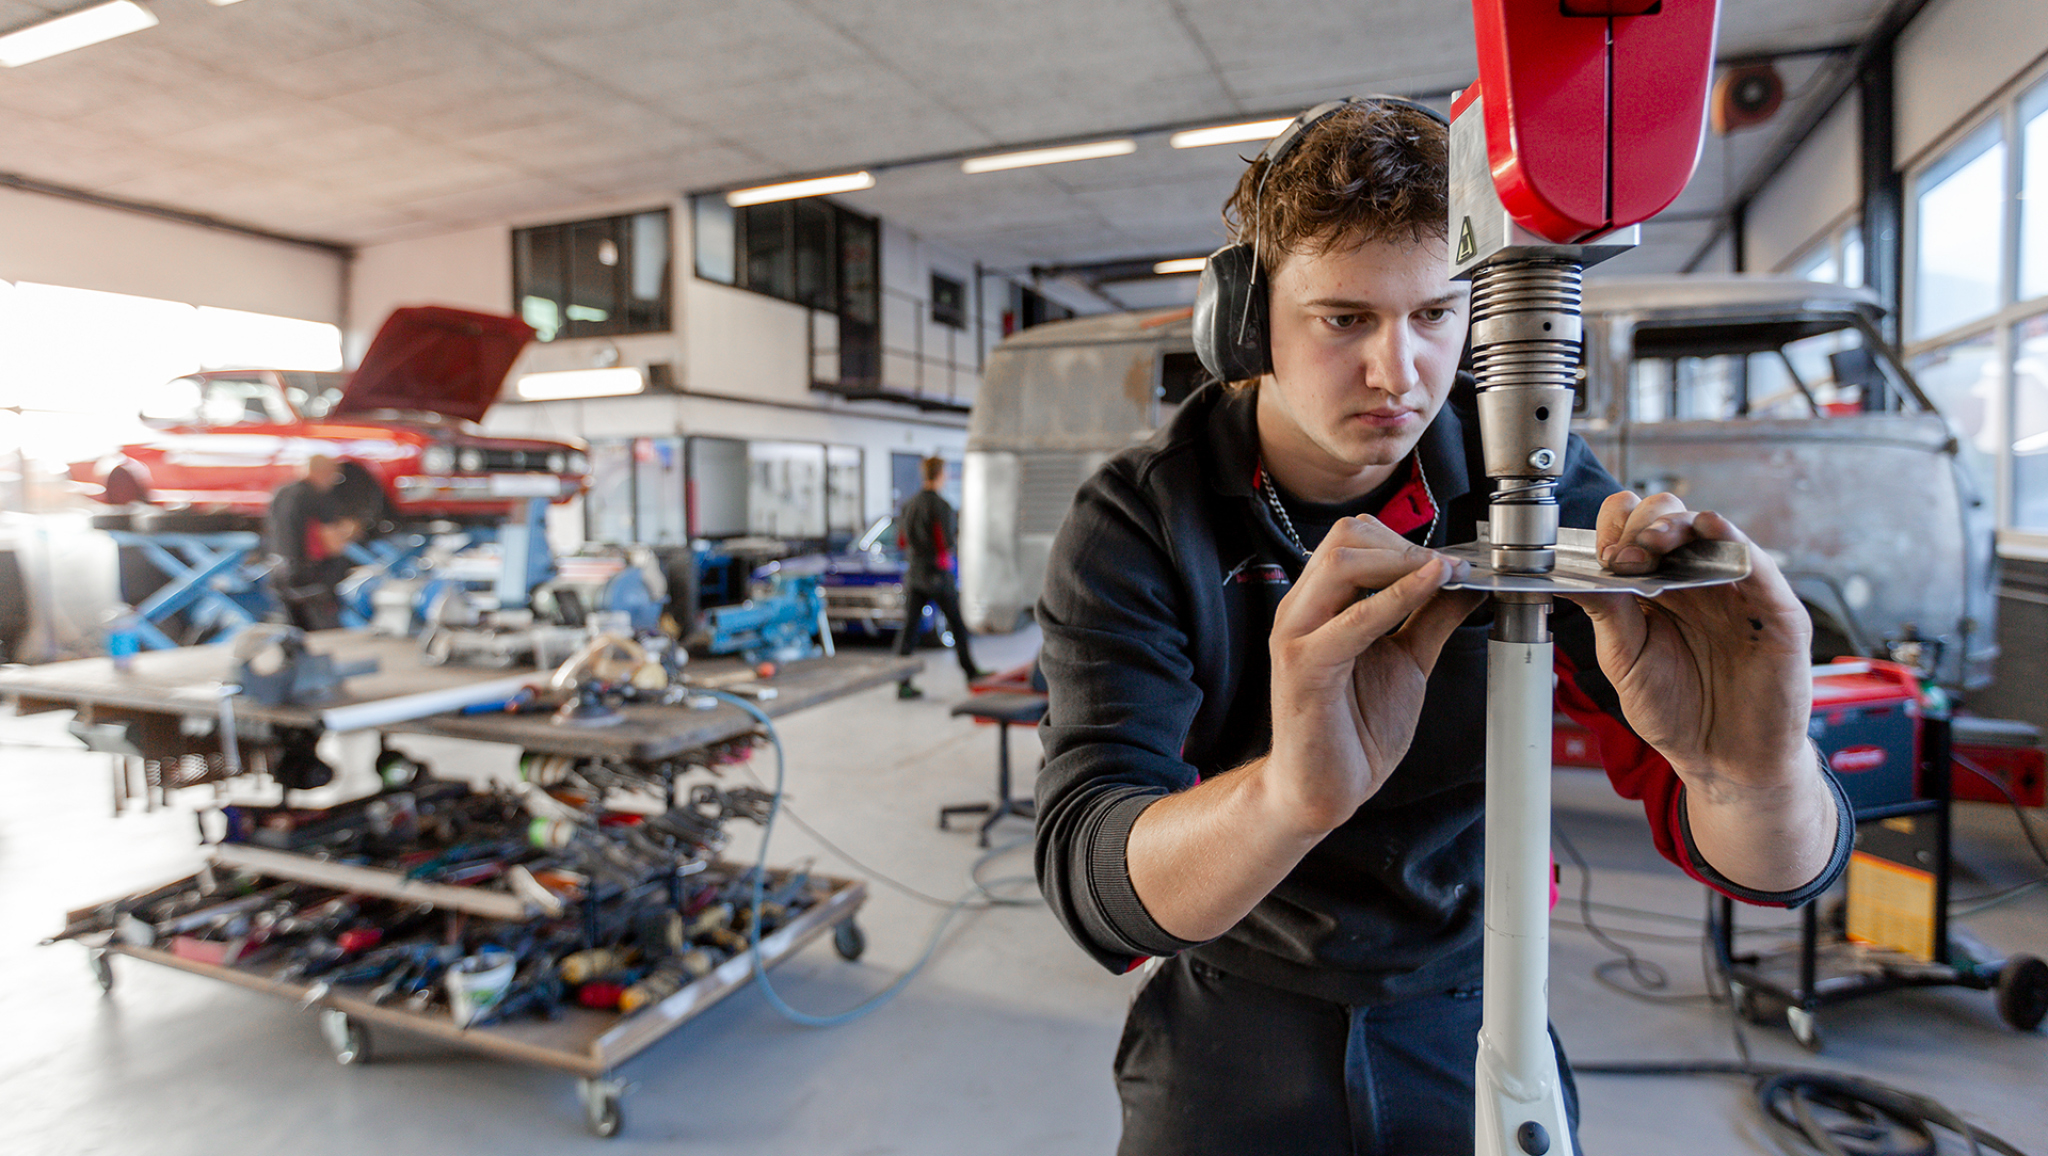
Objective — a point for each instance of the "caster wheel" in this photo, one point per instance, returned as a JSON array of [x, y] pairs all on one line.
[[103, 970], [348, 1037], [850, 941], [2022, 992], [1805, 1028], [601, 1111], [1758, 1007], [398, 772]]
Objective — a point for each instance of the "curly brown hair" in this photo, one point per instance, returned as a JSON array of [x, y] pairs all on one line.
[[1372, 171]]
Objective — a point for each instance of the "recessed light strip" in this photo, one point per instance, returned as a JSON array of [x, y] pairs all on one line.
[[568, 384], [61, 34], [1183, 265], [791, 190], [1052, 156], [1195, 138]]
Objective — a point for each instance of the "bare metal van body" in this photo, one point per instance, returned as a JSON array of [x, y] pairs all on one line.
[[1772, 400]]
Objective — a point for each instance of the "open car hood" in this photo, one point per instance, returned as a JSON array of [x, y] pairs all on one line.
[[436, 359]]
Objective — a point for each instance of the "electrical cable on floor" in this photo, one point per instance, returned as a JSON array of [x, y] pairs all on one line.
[[1650, 977], [2019, 810], [876, 1001], [973, 874], [1806, 1109]]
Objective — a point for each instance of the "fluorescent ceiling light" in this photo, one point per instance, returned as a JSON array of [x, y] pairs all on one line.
[[1195, 138], [1056, 156], [222, 3], [816, 187], [1184, 265], [73, 30], [574, 383]]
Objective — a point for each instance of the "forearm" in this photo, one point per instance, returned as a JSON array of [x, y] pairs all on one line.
[[1202, 858], [1773, 836]]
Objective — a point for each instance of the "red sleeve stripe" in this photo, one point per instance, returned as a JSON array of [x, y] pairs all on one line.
[[1633, 766]]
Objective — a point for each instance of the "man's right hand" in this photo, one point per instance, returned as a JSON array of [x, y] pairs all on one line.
[[1348, 679], [1348, 674]]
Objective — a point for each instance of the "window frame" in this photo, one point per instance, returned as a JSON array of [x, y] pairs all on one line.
[[623, 322], [2001, 112]]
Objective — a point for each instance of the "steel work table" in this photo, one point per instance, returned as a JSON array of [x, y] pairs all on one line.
[[162, 690]]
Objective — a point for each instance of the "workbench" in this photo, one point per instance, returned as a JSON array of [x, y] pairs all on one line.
[[185, 683], [173, 698]]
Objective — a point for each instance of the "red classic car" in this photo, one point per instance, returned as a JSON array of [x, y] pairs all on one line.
[[228, 438]]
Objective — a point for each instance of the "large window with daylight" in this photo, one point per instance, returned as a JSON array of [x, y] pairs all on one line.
[[1977, 300], [84, 371], [2033, 117], [1960, 202], [599, 278]]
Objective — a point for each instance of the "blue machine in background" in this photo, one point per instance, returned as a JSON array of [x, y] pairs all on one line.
[[786, 625]]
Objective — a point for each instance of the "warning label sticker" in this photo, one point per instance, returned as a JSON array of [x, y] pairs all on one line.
[[1467, 247]]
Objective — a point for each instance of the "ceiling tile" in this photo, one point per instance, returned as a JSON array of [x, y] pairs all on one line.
[[369, 119]]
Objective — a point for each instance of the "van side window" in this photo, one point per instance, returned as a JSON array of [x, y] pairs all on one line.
[[1769, 370]]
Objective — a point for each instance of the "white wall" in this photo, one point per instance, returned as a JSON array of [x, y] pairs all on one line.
[[1958, 53], [470, 270], [1953, 57], [1815, 189], [62, 242]]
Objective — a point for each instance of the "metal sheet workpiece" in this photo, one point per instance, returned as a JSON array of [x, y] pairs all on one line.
[[1697, 563]]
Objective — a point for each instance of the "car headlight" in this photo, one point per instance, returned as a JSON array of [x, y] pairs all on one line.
[[471, 461], [579, 463], [437, 459], [558, 462]]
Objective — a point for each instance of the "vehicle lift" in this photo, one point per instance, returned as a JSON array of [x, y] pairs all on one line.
[[213, 578], [1586, 120]]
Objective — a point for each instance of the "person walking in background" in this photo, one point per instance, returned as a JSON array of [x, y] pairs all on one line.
[[928, 529]]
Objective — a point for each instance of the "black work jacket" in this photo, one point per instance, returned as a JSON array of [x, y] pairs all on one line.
[[1157, 608], [928, 529]]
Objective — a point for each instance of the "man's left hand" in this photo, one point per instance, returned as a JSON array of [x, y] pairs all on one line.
[[1715, 678]]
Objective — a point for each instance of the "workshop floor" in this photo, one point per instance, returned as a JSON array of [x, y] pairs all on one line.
[[1002, 1045]]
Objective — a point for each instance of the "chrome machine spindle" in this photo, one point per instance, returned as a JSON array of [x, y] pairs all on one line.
[[1525, 353]]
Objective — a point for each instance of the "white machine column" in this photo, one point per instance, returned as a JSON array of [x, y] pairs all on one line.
[[1520, 1094]]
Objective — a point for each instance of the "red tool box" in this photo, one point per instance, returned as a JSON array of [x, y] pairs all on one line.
[[1866, 718], [2005, 749]]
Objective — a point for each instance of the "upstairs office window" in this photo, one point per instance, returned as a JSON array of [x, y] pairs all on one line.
[[809, 251], [598, 278]]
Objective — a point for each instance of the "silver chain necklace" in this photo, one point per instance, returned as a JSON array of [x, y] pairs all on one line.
[[1272, 493]]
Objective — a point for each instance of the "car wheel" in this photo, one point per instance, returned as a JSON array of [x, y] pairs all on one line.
[[123, 488]]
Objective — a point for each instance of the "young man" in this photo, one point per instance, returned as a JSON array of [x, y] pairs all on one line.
[[1265, 745], [928, 531]]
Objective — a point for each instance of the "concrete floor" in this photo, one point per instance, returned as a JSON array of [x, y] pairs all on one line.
[[1002, 1045]]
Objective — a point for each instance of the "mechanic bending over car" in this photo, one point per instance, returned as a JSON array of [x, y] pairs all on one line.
[[1265, 746], [308, 532]]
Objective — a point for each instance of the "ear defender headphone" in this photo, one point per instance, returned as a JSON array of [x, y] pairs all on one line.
[[1231, 335]]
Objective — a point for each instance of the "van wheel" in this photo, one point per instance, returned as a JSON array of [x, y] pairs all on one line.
[[1829, 640]]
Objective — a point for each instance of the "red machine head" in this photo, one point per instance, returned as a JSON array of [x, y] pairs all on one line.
[[1594, 108]]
